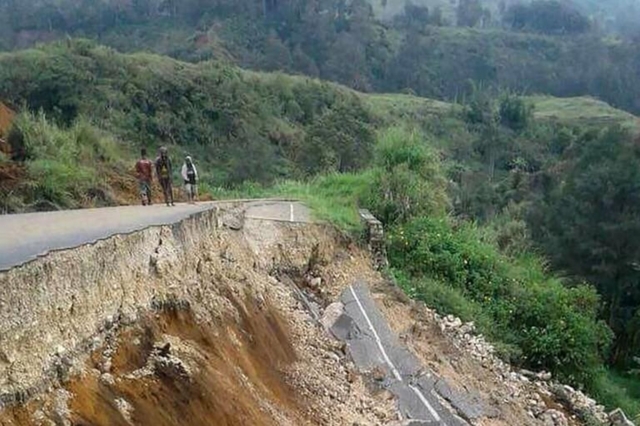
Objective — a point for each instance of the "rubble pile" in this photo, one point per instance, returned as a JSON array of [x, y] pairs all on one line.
[[536, 386]]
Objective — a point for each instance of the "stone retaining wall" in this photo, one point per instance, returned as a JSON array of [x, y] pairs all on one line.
[[374, 236]]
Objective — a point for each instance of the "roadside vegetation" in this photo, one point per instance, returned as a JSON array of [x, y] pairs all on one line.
[[487, 271], [241, 126]]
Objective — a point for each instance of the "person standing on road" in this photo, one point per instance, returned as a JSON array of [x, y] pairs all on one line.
[[163, 171], [144, 172], [190, 177]]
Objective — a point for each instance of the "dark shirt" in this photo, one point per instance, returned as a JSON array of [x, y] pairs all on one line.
[[163, 167], [191, 174]]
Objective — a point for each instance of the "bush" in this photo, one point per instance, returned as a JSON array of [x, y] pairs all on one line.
[[553, 327], [407, 179], [514, 112], [65, 167], [619, 390]]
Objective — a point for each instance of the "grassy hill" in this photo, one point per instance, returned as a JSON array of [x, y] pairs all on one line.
[[348, 44], [89, 102], [90, 110], [572, 111], [581, 111]]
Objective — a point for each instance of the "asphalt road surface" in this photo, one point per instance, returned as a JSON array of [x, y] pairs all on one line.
[[24, 237], [373, 345]]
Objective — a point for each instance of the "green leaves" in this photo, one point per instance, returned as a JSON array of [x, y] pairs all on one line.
[[65, 166], [551, 326], [408, 181], [242, 125], [593, 226]]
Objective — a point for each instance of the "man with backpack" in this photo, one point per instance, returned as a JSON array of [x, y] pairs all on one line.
[[190, 177], [163, 171]]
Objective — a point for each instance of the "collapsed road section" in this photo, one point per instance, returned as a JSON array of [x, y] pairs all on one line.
[[215, 320], [184, 320], [421, 396]]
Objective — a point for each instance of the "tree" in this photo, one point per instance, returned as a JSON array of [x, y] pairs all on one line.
[[469, 13], [407, 181], [515, 113], [546, 16], [276, 55], [340, 140], [348, 63], [592, 228], [413, 18]]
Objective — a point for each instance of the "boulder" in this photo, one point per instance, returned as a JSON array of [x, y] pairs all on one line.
[[331, 315]]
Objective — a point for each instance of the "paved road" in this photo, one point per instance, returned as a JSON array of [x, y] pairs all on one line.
[[24, 237], [373, 345]]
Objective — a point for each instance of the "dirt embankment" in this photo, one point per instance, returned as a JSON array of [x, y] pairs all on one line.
[[8, 172], [186, 324], [6, 118]]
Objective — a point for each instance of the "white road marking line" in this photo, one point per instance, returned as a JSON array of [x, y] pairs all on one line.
[[291, 212], [394, 370], [422, 398]]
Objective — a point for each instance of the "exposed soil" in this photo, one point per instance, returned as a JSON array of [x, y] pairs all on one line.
[[248, 354], [6, 118], [212, 393]]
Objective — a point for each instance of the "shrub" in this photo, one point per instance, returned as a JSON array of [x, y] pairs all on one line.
[[514, 112], [407, 180], [553, 327], [65, 166]]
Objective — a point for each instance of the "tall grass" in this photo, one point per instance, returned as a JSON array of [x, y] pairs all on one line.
[[334, 198], [64, 165], [615, 389]]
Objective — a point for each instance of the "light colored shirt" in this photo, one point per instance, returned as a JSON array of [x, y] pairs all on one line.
[[185, 175]]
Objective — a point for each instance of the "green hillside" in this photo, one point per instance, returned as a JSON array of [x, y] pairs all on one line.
[[242, 125], [576, 111], [345, 42], [585, 111], [613, 15]]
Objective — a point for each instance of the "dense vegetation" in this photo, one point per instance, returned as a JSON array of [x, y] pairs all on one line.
[[545, 47], [483, 272], [240, 125], [615, 16]]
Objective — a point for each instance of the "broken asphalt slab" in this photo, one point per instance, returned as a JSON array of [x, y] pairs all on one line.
[[374, 346]]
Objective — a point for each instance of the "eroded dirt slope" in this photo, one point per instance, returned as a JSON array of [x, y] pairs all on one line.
[[225, 341], [210, 328]]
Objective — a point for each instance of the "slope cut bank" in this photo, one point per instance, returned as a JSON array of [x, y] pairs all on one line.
[[203, 323], [197, 320]]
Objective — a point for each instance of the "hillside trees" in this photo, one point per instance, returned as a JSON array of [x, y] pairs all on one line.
[[317, 37], [546, 16], [591, 228], [470, 13], [415, 18], [245, 126]]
